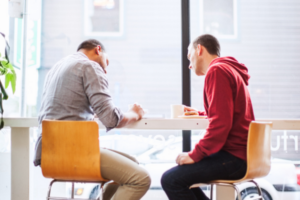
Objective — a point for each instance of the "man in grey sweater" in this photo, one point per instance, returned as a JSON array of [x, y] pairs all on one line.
[[76, 88]]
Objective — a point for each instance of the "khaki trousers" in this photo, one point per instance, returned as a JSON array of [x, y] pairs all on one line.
[[133, 180]]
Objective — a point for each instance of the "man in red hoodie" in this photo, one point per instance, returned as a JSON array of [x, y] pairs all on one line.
[[221, 154]]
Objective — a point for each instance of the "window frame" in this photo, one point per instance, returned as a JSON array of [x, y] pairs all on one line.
[[87, 28], [235, 21]]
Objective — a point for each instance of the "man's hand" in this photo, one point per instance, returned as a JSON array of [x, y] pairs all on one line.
[[134, 114], [138, 110], [184, 159]]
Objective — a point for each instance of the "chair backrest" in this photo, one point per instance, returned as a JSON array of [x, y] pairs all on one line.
[[258, 150], [70, 150]]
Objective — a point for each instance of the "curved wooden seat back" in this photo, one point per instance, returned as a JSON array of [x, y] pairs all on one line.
[[258, 150], [258, 157], [70, 150]]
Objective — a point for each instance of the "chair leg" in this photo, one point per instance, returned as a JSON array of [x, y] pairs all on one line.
[[258, 189], [49, 190], [101, 190], [238, 194], [72, 193], [211, 191], [231, 186]]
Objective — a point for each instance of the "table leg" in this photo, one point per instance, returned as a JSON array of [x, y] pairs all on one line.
[[20, 145], [224, 193]]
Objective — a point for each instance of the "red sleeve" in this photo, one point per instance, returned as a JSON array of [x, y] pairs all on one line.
[[201, 112], [220, 114]]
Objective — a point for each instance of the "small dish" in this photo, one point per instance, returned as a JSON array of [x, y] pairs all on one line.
[[192, 117]]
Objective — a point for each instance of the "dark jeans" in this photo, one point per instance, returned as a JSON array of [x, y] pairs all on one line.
[[222, 165]]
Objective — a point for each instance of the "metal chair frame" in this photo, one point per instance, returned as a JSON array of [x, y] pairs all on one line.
[[72, 191], [260, 197]]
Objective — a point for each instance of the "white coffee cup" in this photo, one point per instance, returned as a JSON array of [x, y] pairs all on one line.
[[176, 110]]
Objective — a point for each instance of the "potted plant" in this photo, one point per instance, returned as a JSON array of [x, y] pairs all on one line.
[[7, 70]]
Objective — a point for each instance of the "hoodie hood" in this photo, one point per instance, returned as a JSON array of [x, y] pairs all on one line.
[[232, 62]]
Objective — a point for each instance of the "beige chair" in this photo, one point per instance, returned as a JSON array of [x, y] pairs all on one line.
[[258, 158], [71, 153]]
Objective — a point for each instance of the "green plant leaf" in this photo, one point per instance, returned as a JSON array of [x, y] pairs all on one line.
[[11, 78], [13, 82], [7, 65], [10, 66], [3, 70], [7, 69], [7, 80], [2, 59]]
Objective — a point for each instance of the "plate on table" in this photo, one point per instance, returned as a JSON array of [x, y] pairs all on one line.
[[192, 117]]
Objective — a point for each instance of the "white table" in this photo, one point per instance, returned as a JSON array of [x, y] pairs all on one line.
[[20, 144]]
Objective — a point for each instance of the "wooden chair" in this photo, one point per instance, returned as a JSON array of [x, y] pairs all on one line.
[[71, 153], [258, 158]]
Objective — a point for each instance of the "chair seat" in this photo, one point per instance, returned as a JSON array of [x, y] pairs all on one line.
[[231, 181], [80, 179], [85, 181], [220, 182]]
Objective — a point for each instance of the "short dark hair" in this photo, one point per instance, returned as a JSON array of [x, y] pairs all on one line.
[[209, 42], [90, 44]]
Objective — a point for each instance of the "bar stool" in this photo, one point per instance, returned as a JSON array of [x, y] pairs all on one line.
[[71, 153], [258, 159]]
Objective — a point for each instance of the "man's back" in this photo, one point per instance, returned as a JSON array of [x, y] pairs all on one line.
[[64, 96], [76, 88]]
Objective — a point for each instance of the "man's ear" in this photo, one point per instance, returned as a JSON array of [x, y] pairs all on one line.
[[98, 49], [199, 49]]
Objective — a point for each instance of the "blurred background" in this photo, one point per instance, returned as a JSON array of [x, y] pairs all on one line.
[[143, 41]]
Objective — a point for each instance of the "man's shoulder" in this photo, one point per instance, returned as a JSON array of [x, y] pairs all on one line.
[[82, 61], [219, 71], [72, 59], [217, 68], [80, 58]]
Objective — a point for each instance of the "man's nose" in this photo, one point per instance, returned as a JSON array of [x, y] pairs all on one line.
[[190, 66]]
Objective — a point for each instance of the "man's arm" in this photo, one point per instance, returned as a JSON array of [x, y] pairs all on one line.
[[96, 88], [95, 85], [220, 114]]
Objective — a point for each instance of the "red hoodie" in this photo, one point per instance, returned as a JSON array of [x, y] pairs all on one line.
[[228, 107]]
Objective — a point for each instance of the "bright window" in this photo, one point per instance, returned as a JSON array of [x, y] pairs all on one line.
[[103, 17], [219, 17]]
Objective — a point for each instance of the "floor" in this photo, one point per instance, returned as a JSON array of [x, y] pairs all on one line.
[[155, 195]]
